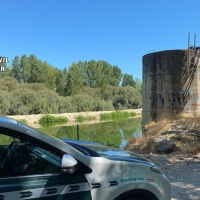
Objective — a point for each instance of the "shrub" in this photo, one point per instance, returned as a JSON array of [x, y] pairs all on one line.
[[34, 86], [4, 102], [105, 116], [9, 83], [132, 114], [49, 119], [125, 98], [120, 115], [51, 100], [117, 115], [65, 105], [81, 118], [83, 103], [23, 121], [36, 98], [24, 101], [92, 92], [107, 105], [3, 88]]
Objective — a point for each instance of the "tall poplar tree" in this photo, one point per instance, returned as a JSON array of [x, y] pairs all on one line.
[[16, 69]]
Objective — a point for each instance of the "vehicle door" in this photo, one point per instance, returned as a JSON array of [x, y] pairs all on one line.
[[29, 171]]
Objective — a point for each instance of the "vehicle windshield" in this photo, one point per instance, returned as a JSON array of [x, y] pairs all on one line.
[[36, 132]]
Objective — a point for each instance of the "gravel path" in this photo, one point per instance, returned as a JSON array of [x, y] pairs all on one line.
[[183, 173]]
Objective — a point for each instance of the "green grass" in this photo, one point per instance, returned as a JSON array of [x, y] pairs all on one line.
[[132, 114], [49, 120], [81, 118], [23, 121], [117, 115]]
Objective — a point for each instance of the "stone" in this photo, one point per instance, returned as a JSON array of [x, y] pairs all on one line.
[[196, 132], [165, 146], [169, 132], [181, 127], [191, 134]]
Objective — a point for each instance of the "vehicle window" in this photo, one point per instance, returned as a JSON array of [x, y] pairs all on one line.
[[5, 140], [20, 157]]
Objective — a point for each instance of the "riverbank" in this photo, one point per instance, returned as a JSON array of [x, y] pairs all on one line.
[[32, 120]]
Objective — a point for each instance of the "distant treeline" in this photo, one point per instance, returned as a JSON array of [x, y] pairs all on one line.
[[30, 86]]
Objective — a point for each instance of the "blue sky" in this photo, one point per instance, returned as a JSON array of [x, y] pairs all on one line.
[[117, 31]]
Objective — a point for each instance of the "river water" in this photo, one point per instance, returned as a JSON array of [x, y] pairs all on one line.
[[112, 133]]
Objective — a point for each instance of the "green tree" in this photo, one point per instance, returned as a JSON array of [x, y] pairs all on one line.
[[60, 82], [16, 69], [138, 85], [100, 74], [37, 73], [83, 68], [128, 80], [91, 73], [50, 75], [104, 73], [116, 76], [74, 80], [25, 68]]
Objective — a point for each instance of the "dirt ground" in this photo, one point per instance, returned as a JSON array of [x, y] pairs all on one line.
[[183, 172]]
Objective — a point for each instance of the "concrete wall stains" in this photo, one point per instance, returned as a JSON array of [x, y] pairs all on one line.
[[170, 85], [175, 99]]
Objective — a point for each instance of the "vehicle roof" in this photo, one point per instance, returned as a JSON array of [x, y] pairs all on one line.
[[7, 120]]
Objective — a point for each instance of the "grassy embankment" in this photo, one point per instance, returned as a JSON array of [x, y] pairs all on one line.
[[117, 115], [50, 120]]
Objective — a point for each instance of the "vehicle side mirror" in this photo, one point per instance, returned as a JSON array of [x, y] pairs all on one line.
[[68, 165]]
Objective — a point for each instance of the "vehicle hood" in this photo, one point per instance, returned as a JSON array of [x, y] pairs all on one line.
[[111, 153], [117, 154]]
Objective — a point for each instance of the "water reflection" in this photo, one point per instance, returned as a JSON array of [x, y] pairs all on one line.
[[114, 134], [124, 141]]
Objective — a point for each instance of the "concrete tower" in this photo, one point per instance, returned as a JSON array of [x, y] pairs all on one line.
[[171, 83]]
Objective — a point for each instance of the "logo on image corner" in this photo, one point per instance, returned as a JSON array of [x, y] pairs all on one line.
[[3, 60]]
